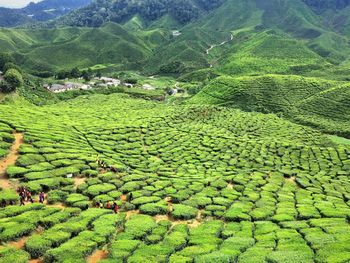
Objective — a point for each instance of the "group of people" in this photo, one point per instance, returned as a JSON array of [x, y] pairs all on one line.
[[26, 196], [114, 206]]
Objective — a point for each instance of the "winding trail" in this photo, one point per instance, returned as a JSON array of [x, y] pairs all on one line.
[[10, 159], [218, 45]]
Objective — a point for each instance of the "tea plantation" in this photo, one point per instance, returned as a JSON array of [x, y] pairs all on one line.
[[194, 184]]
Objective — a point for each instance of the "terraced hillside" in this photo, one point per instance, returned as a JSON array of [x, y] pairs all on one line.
[[195, 183], [312, 101]]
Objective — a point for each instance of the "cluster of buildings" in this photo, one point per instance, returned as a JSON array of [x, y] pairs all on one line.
[[102, 82]]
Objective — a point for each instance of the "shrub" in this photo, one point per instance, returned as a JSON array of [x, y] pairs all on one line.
[[115, 194], [120, 249], [177, 239], [289, 257], [11, 254], [184, 212], [15, 171], [73, 198], [76, 249], [192, 251], [139, 225], [237, 243], [8, 195], [56, 237], [153, 239], [37, 245], [13, 230], [11, 211], [199, 201], [230, 230], [56, 196], [29, 159], [180, 259], [145, 200], [58, 217], [82, 205], [255, 254], [154, 209], [212, 257]]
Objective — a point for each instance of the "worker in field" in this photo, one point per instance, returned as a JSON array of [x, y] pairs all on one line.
[[108, 206], [3, 203], [129, 198], [115, 208], [41, 197], [21, 199]]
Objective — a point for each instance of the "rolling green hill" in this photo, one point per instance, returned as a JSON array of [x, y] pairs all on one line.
[[42, 11], [312, 101], [248, 161], [55, 49], [236, 38], [282, 37]]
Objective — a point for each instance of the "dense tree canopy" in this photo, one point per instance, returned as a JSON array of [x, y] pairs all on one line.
[[4, 59], [13, 78], [101, 11]]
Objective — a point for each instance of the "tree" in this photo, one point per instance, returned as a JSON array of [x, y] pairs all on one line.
[[5, 58], [63, 74], [75, 73], [13, 78], [10, 65], [5, 87], [87, 74], [99, 74]]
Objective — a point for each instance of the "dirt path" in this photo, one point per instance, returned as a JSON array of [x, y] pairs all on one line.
[[19, 244], [97, 256], [10, 159], [79, 181], [218, 45]]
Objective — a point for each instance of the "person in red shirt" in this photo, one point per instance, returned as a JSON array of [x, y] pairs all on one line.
[[115, 208]]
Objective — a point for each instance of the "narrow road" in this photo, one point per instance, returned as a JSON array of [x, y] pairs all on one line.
[[221, 44], [218, 45], [10, 159]]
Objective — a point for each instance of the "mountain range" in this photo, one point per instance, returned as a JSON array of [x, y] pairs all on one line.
[[41, 11]]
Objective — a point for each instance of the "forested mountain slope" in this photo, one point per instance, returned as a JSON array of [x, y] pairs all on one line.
[[41, 11]]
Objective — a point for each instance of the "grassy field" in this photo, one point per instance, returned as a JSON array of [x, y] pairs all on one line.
[[208, 183]]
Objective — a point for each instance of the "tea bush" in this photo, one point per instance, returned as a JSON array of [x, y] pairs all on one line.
[[241, 186]]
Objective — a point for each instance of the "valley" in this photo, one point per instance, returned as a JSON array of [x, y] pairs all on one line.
[[188, 131]]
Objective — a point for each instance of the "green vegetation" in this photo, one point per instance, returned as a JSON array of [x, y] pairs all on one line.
[[311, 101], [12, 78], [250, 185], [247, 160]]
